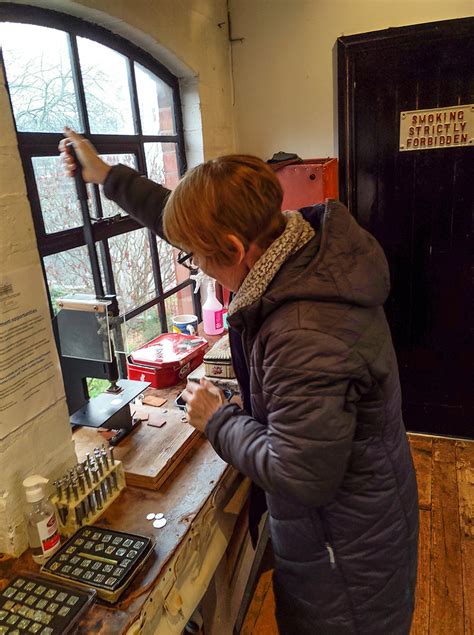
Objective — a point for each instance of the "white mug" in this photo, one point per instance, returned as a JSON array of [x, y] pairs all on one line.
[[186, 324]]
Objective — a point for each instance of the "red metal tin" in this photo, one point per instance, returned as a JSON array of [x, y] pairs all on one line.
[[167, 359]]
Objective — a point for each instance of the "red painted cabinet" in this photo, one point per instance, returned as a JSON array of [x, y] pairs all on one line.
[[307, 183]]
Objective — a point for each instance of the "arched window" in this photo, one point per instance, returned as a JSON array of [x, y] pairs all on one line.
[[63, 71]]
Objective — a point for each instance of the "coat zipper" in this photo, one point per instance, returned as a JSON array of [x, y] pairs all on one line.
[[327, 543], [332, 559]]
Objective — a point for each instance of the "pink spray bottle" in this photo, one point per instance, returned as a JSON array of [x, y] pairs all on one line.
[[212, 311]]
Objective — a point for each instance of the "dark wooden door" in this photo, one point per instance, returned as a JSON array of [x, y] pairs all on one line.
[[419, 205]]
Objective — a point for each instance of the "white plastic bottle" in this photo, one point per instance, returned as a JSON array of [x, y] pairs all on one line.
[[212, 311], [42, 526]]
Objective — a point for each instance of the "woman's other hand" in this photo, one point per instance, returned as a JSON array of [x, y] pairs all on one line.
[[94, 170], [203, 400]]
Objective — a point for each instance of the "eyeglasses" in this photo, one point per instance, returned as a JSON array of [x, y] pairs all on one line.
[[186, 260]]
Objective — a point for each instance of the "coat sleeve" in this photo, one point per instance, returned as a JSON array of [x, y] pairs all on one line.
[[309, 391], [142, 199]]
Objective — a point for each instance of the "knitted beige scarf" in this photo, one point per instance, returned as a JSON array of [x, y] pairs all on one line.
[[297, 233]]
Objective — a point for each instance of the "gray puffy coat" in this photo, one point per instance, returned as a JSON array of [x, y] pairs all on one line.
[[326, 439]]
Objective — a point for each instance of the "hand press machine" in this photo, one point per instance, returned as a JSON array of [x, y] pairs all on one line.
[[82, 331]]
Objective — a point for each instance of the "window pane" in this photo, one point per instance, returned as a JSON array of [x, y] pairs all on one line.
[[162, 163], [39, 75], [155, 99], [179, 303], [57, 195], [68, 272], [140, 330], [172, 273], [109, 208], [133, 273], [167, 257], [105, 78]]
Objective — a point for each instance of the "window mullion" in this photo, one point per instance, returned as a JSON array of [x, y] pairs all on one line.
[[132, 84], [49, 140], [197, 303], [111, 289], [33, 195], [160, 138], [182, 163], [155, 263], [94, 260], [107, 266], [163, 317], [155, 259], [97, 201], [51, 244]]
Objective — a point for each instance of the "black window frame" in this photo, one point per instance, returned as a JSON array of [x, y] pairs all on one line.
[[41, 144]]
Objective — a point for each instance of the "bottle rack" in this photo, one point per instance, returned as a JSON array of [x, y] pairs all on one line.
[[86, 490]]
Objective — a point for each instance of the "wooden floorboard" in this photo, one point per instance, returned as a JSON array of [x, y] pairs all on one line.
[[262, 599], [266, 623], [422, 452], [445, 589], [465, 481], [447, 604], [421, 618]]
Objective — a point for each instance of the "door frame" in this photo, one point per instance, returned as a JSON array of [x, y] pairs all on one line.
[[347, 49]]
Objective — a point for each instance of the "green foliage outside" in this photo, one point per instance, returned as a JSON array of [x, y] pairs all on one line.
[[96, 386], [56, 293], [142, 329]]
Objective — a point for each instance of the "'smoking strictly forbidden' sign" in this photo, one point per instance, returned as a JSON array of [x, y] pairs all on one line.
[[449, 127]]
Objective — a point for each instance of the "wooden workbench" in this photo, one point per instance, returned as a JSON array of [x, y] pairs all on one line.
[[199, 477], [149, 454], [173, 470]]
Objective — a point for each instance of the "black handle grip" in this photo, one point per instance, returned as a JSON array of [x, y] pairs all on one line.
[[80, 183]]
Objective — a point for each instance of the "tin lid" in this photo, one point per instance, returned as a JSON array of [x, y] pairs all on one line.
[[169, 348], [220, 352]]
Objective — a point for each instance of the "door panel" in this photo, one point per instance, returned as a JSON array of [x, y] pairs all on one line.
[[419, 205]]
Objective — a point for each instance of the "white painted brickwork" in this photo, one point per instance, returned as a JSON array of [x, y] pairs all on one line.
[[42, 445]]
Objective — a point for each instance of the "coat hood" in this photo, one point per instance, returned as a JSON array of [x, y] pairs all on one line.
[[342, 263]]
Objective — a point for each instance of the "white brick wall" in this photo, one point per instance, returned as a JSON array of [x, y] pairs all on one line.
[[44, 444]]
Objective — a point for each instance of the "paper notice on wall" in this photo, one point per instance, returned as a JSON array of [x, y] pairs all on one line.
[[30, 375]]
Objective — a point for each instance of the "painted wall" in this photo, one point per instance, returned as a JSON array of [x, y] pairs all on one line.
[[284, 81], [186, 36]]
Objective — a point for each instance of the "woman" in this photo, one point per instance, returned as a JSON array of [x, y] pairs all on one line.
[[322, 431]]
